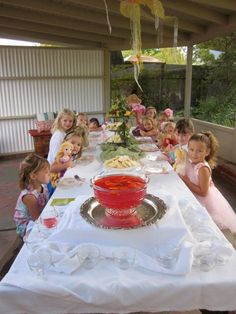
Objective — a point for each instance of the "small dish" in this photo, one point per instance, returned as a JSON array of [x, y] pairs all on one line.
[[144, 139], [157, 169], [148, 147], [69, 182]]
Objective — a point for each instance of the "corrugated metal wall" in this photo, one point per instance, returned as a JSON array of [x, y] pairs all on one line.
[[34, 80]]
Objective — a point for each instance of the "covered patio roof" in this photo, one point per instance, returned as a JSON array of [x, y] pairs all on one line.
[[83, 23]]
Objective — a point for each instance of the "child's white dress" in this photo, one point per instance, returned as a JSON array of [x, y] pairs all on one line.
[[54, 145], [215, 203]]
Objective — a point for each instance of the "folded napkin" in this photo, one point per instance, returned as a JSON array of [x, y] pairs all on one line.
[[208, 239], [63, 257], [66, 258], [171, 230]]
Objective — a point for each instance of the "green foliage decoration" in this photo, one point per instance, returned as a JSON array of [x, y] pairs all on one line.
[[121, 111]]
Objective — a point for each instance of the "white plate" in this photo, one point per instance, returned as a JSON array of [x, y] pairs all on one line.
[[148, 147], [156, 170], [144, 139], [127, 169], [69, 182]]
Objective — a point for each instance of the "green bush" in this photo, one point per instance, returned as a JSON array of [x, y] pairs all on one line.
[[219, 110]]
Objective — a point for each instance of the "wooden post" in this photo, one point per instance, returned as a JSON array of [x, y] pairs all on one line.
[[107, 76], [188, 82]]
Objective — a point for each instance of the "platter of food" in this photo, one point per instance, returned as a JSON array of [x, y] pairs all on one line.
[[116, 139], [121, 163], [113, 126]]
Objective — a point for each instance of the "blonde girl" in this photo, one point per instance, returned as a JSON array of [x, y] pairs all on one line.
[[34, 174], [71, 136], [167, 140], [82, 120], [77, 138], [151, 112], [202, 151], [65, 121], [147, 128]]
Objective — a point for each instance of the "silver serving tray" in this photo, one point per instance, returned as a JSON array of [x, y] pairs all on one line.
[[149, 211]]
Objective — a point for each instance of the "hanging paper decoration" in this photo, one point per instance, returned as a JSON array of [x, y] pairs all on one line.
[[131, 9]]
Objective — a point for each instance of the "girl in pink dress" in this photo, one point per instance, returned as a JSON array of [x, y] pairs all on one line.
[[202, 149], [34, 174]]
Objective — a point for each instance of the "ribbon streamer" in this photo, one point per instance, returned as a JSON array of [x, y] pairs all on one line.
[[107, 15], [131, 10]]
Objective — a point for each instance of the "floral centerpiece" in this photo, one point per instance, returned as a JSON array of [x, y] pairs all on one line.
[[120, 111], [122, 143]]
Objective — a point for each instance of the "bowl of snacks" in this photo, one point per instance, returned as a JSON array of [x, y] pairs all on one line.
[[121, 163]]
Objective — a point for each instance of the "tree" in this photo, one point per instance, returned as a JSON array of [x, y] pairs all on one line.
[[220, 104]]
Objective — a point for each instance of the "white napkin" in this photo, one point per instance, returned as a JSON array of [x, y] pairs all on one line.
[[208, 238], [64, 257], [170, 229]]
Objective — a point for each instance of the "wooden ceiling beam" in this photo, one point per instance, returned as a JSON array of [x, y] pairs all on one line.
[[58, 31], [46, 38], [214, 31], [59, 9], [195, 10], [64, 22], [219, 4], [117, 21], [112, 5], [72, 23]]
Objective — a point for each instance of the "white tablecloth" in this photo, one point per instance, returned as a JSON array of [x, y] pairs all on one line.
[[143, 287]]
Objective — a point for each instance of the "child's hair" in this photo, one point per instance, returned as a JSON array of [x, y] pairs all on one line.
[[151, 108], [31, 164], [166, 124], [82, 114], [146, 119], [184, 126], [162, 117], [60, 153], [95, 120], [211, 143], [57, 122], [78, 131]]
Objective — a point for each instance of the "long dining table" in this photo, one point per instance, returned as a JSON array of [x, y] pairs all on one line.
[[201, 274]]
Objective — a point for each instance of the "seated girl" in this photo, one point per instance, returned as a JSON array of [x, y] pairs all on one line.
[[34, 175], [167, 140], [82, 120], [139, 110], [151, 112], [94, 125], [76, 138], [147, 128], [165, 116], [64, 156]]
